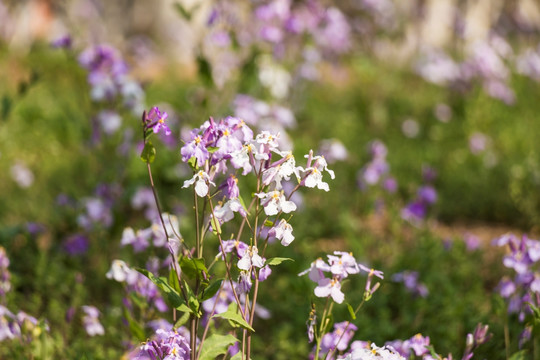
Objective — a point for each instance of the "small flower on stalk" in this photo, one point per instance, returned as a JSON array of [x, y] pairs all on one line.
[[251, 258], [244, 282], [275, 202], [316, 270], [330, 287], [343, 265], [282, 231], [201, 181], [281, 169], [155, 120], [225, 212], [313, 172], [233, 245]]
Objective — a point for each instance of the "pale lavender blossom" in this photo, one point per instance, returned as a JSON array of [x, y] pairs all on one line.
[[283, 232], [410, 280], [333, 150], [338, 339], [5, 276], [443, 112], [155, 120], [22, 175], [91, 321], [343, 264], [225, 212]]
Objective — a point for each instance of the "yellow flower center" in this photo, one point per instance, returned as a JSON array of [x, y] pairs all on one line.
[[198, 140]]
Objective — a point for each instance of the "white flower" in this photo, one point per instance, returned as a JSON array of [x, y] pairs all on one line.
[[251, 258], [240, 159], [376, 353], [226, 211], [315, 166], [283, 232], [275, 202], [120, 272], [201, 181], [282, 169]]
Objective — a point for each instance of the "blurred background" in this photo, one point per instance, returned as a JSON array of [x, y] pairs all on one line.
[[427, 111]]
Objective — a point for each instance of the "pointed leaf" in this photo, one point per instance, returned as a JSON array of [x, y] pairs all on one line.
[[216, 345], [193, 267], [234, 316], [172, 295], [211, 290], [277, 261], [148, 154]]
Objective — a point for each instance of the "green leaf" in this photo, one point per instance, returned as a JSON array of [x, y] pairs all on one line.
[[277, 261], [212, 149], [216, 345], [148, 154], [193, 267], [193, 302], [216, 227], [234, 317], [268, 223], [520, 355], [172, 295], [183, 319], [211, 290], [192, 162], [134, 327], [351, 311], [173, 280]]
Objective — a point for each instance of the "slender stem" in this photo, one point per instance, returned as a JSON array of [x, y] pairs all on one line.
[[321, 329], [252, 315], [198, 234], [205, 332], [506, 338], [173, 255], [227, 267]]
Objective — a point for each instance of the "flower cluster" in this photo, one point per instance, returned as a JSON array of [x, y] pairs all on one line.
[[167, 345], [485, 62], [109, 80], [19, 326], [524, 289]]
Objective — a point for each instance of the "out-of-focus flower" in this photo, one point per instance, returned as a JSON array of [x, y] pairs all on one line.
[[22, 175], [91, 322], [443, 112]]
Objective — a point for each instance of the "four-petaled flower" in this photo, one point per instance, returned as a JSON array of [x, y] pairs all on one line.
[[275, 202], [201, 181]]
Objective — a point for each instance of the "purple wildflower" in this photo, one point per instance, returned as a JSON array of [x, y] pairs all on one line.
[[91, 322]]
